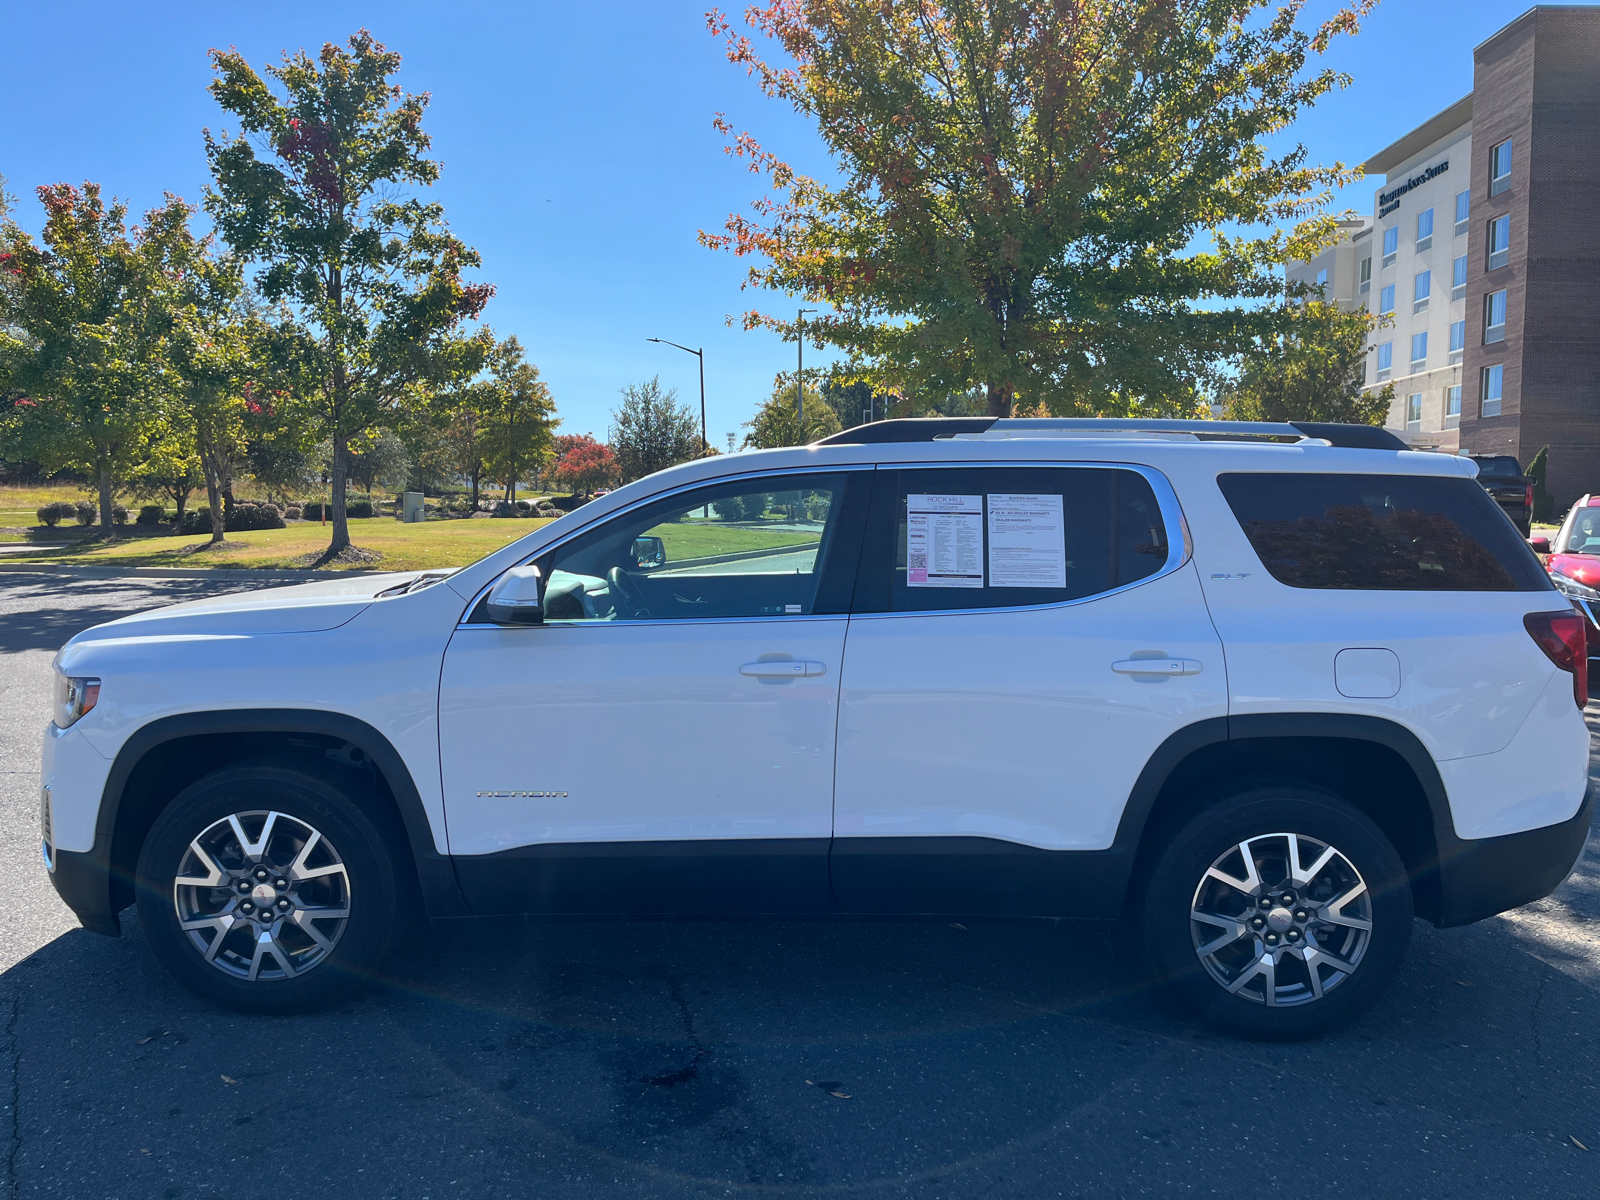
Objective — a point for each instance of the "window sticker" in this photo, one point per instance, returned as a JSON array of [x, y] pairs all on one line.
[[1027, 546], [944, 541]]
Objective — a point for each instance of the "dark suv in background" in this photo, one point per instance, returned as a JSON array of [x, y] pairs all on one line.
[[1502, 477]]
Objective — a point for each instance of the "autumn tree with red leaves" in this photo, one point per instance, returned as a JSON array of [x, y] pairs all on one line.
[[318, 190], [584, 465], [1022, 184]]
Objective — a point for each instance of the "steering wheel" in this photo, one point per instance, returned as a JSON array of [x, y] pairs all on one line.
[[626, 591]]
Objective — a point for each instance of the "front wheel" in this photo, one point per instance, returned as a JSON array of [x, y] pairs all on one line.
[[268, 888], [1279, 913]]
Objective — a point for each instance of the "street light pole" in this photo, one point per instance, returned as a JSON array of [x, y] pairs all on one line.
[[700, 354], [800, 370]]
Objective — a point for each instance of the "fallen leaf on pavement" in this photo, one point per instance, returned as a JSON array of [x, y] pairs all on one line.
[[841, 1095], [143, 1040], [1462, 983], [1576, 1142], [957, 925], [229, 1079]]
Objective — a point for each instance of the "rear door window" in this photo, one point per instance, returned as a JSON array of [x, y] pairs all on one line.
[[1006, 537], [1381, 532]]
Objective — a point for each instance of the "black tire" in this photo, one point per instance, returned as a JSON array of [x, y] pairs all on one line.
[[352, 832], [1223, 831]]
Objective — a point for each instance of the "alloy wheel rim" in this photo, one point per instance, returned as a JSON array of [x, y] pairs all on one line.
[[1281, 919], [262, 896]]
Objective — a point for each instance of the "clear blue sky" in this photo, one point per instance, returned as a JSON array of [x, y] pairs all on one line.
[[578, 151]]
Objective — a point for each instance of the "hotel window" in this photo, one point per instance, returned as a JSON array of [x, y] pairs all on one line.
[[1452, 407], [1463, 207], [1391, 245], [1414, 411], [1494, 317], [1366, 275], [1499, 241], [1458, 278], [1425, 229], [1385, 360], [1458, 340], [1421, 289], [1386, 299], [1494, 379], [1322, 278], [1500, 168], [1419, 350]]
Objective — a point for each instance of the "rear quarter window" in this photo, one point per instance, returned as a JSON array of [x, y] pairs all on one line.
[[1381, 532]]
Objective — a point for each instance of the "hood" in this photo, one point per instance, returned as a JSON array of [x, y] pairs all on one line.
[[299, 608]]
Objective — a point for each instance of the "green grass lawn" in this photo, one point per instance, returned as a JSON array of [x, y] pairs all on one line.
[[403, 547]]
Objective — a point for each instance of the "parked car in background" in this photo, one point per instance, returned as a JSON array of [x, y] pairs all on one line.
[[1502, 477], [1248, 696], [1572, 558]]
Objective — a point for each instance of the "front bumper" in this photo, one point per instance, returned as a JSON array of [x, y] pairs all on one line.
[[1485, 876], [84, 883]]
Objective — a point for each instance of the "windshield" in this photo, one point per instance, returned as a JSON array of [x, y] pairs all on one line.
[[1499, 465], [1585, 535]]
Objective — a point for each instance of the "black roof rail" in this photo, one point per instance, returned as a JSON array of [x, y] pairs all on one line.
[[907, 429], [928, 429]]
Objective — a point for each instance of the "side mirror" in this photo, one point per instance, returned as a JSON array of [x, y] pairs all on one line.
[[649, 552], [1541, 545], [517, 598]]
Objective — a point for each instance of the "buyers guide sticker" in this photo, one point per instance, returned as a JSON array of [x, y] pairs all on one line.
[[944, 541], [1027, 546]]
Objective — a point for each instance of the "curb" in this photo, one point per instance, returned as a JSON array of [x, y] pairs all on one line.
[[224, 574]]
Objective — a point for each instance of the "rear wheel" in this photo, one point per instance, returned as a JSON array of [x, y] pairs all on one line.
[[1279, 913], [268, 889]]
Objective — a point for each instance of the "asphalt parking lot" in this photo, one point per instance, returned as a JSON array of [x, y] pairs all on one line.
[[712, 1059]]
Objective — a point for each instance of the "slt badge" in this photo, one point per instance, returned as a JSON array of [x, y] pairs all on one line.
[[517, 795]]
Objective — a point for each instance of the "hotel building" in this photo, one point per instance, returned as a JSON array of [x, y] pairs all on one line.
[[1483, 253]]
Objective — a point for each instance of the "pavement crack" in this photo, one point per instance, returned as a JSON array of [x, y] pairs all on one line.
[[1533, 1014]]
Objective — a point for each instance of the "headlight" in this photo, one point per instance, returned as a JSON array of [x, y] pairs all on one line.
[[75, 695], [1572, 587]]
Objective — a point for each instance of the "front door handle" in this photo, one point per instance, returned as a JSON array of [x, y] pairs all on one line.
[[787, 668], [1156, 666]]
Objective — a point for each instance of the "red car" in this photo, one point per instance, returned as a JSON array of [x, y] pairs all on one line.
[[1573, 561]]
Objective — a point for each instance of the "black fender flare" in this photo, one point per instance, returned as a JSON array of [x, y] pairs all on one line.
[[440, 893]]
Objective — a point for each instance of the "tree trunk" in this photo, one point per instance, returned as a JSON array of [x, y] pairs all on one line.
[[106, 525], [475, 473], [341, 521], [997, 401], [183, 503], [227, 492], [219, 523]]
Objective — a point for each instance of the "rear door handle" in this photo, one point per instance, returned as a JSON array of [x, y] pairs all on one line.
[[1156, 666], [783, 669]]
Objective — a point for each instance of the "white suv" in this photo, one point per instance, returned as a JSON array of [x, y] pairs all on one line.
[[1253, 695]]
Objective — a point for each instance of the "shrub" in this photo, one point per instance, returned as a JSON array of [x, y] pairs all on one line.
[[119, 514], [358, 508], [85, 511], [151, 514], [729, 508], [247, 515], [56, 511], [505, 509], [291, 513]]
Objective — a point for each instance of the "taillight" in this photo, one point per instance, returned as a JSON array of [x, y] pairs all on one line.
[[1561, 636], [1528, 499]]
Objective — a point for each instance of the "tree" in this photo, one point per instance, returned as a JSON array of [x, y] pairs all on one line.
[[1539, 471], [1313, 369], [171, 471], [1023, 184], [379, 457], [374, 274], [584, 465], [518, 429], [777, 421], [651, 431], [86, 322]]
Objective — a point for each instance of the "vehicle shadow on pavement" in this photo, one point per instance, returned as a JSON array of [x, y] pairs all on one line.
[[696, 1059]]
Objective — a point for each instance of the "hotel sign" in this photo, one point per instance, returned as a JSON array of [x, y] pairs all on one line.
[[1389, 201]]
